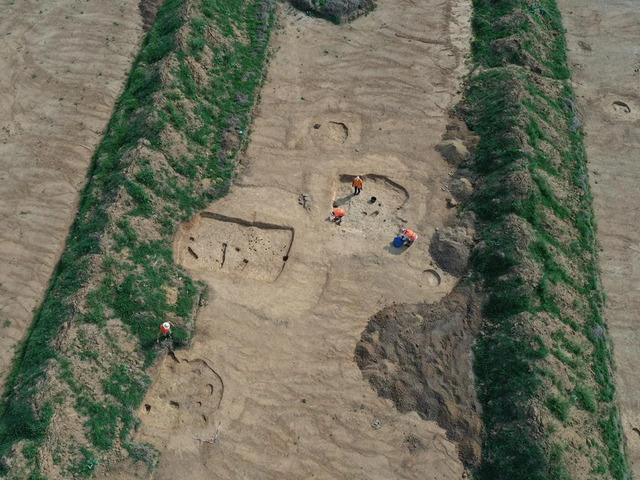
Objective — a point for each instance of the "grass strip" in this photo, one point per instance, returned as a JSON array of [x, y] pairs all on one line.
[[543, 361], [170, 148]]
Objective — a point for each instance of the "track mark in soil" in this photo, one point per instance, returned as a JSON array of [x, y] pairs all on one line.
[[619, 106], [584, 46], [427, 41], [213, 242]]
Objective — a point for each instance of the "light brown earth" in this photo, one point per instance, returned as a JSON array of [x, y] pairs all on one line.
[[604, 53], [62, 67], [368, 98]]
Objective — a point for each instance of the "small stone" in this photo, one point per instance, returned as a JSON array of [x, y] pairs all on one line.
[[452, 202], [317, 126], [305, 201]]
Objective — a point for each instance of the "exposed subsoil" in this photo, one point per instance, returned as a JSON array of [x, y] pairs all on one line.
[[603, 52], [370, 98], [62, 67], [248, 249]]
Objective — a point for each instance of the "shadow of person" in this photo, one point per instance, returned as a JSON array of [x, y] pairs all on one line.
[[392, 249], [341, 201]]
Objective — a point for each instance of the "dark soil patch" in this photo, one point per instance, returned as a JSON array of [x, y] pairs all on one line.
[[149, 12], [337, 11], [420, 356]]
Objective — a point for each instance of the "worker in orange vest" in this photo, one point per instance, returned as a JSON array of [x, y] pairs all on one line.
[[165, 329], [409, 236], [337, 214], [357, 185]]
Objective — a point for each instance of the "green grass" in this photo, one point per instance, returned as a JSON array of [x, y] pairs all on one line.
[[518, 117], [130, 277]]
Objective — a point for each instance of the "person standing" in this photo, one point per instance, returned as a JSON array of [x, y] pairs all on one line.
[[165, 329], [357, 185]]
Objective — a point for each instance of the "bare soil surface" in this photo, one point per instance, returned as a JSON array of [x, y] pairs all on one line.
[[605, 61], [253, 250], [368, 98], [62, 66]]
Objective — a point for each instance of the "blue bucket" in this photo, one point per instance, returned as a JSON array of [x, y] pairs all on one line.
[[398, 242]]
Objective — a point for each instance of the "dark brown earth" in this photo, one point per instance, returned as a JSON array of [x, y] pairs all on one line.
[[336, 10], [420, 357]]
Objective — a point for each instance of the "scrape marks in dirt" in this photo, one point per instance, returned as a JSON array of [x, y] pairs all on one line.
[[214, 242], [377, 210]]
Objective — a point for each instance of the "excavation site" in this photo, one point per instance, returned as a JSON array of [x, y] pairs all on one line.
[[329, 239]]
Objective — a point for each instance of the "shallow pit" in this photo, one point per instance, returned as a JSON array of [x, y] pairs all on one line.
[[183, 390], [432, 278], [213, 242], [377, 210]]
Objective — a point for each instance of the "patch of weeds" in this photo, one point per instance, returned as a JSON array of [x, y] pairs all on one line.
[[85, 466], [143, 452], [559, 407], [586, 398]]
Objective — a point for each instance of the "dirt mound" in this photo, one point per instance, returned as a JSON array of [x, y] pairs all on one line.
[[149, 12], [420, 357], [336, 10], [454, 152], [450, 248]]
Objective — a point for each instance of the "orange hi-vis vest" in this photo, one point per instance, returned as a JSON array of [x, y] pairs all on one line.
[[357, 182], [165, 328], [338, 212], [411, 235]]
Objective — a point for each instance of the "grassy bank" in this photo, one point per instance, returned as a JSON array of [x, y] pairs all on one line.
[[170, 148], [543, 359]]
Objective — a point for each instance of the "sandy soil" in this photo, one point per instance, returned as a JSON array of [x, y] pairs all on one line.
[[604, 52], [368, 98], [62, 66]]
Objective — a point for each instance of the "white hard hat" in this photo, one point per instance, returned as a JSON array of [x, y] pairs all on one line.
[[403, 230]]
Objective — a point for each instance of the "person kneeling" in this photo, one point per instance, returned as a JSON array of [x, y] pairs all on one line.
[[337, 214], [408, 236]]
